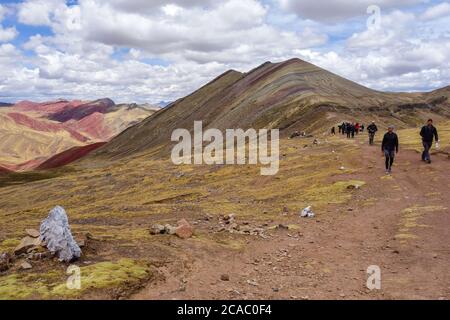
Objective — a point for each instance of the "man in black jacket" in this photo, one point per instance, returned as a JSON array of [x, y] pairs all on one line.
[[372, 130], [428, 133], [389, 147]]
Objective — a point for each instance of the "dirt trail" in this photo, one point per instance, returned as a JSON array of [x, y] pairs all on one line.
[[399, 223]]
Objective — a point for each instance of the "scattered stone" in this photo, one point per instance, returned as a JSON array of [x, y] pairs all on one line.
[[229, 218], [26, 244], [33, 233], [282, 226], [55, 231], [225, 277], [26, 265], [5, 260]]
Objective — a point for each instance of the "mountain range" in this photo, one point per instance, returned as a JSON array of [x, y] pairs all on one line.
[[291, 95], [33, 133]]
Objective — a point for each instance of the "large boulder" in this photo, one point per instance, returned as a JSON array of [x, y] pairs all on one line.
[[55, 233]]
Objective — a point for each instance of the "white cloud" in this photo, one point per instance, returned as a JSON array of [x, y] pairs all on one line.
[[437, 11], [38, 12], [6, 34], [148, 51], [331, 11]]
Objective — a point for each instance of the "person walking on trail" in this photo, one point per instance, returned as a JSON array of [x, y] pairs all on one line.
[[428, 133], [389, 147], [353, 130], [333, 131], [372, 130]]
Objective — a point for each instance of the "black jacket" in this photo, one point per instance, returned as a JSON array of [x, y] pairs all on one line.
[[390, 142], [372, 128], [428, 133]]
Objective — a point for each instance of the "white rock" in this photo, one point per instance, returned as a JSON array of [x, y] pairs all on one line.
[[307, 213], [55, 232]]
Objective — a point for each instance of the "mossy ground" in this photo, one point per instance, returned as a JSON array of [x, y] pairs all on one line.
[[53, 284]]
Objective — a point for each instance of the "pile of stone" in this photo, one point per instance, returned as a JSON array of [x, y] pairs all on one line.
[[228, 224], [183, 229], [54, 239]]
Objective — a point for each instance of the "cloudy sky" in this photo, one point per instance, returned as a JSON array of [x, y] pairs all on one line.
[[156, 50]]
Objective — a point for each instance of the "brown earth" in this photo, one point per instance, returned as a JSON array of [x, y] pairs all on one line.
[[328, 256], [398, 223]]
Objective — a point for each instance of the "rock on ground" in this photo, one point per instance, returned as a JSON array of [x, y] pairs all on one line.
[[5, 260], [26, 244], [33, 233], [55, 232], [184, 229]]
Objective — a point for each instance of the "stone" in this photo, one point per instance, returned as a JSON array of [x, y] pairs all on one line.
[[5, 260], [307, 213], [157, 229], [170, 229], [26, 265], [184, 229], [225, 277], [82, 243], [33, 233], [26, 244], [55, 232]]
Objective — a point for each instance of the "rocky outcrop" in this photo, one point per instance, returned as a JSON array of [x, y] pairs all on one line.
[[56, 234]]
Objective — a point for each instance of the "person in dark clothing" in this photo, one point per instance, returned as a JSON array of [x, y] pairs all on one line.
[[428, 133], [333, 131], [353, 129], [389, 147], [340, 128], [372, 130], [348, 130], [362, 128]]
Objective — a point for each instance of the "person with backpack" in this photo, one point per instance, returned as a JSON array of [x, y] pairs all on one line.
[[389, 147], [372, 130], [428, 133]]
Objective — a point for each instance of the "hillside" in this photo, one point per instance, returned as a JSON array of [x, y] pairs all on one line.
[[291, 95], [33, 132]]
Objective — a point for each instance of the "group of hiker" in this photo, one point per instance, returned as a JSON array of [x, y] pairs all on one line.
[[349, 129], [390, 142]]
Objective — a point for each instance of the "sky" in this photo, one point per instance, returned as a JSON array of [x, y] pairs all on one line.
[[148, 51]]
